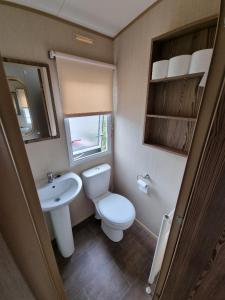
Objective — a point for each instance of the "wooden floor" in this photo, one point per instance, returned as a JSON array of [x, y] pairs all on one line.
[[102, 270]]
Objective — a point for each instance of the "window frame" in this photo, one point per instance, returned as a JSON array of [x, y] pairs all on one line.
[[74, 162]]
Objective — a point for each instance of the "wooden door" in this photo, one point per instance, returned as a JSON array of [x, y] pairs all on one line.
[[21, 220], [12, 284], [197, 268]]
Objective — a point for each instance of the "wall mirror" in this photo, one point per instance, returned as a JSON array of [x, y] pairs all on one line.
[[31, 91]]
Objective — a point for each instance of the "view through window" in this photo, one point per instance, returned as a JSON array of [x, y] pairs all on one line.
[[88, 135]]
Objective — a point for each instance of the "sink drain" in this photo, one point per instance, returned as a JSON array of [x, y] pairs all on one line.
[[57, 199]]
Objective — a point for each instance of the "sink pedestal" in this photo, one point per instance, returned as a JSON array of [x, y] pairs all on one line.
[[63, 230]]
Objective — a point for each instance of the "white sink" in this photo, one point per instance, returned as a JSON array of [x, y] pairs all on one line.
[[55, 198], [61, 191]]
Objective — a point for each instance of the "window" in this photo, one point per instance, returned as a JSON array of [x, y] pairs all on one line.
[[86, 88], [27, 115], [88, 136]]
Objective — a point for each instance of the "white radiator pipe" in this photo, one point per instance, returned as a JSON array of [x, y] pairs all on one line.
[[161, 246]]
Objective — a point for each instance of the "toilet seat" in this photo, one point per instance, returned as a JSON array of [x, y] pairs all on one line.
[[116, 210]]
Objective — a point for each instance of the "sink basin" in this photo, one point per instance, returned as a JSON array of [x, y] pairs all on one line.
[[55, 198], [60, 192]]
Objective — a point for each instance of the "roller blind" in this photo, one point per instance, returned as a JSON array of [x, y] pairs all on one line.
[[86, 86]]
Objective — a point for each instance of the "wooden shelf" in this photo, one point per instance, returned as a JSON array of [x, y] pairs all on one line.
[[174, 102], [170, 134], [176, 78], [168, 149], [172, 118]]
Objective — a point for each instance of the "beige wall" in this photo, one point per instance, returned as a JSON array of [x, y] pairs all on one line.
[[132, 52], [27, 35]]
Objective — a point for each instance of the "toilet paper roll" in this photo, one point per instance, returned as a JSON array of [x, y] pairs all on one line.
[[143, 186], [179, 65], [160, 69], [200, 62]]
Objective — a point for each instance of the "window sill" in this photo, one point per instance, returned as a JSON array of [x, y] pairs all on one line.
[[92, 157]]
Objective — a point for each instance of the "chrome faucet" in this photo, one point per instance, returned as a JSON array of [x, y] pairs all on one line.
[[50, 177]]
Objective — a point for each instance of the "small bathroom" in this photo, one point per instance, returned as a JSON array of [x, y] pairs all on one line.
[[107, 110]]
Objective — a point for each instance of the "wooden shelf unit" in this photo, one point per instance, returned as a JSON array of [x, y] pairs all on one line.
[[173, 103], [172, 118], [177, 78]]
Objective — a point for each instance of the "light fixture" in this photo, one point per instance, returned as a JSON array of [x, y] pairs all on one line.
[[84, 39]]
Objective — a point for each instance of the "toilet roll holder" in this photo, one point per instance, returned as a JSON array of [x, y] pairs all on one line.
[[144, 177]]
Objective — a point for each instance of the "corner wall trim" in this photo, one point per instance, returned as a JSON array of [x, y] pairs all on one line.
[[154, 236]]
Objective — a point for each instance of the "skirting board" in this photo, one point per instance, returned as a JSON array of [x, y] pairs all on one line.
[[153, 235], [50, 229], [81, 220]]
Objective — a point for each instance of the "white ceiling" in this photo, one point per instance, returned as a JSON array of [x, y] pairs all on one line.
[[105, 16]]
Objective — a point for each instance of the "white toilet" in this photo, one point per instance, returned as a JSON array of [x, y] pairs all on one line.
[[116, 212]]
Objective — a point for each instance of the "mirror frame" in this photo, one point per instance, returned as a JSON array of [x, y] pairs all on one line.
[[45, 65]]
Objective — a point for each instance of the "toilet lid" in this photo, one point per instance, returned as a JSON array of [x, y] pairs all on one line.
[[116, 208]]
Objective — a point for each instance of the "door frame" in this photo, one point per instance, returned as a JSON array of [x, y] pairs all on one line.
[[22, 222], [204, 124]]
